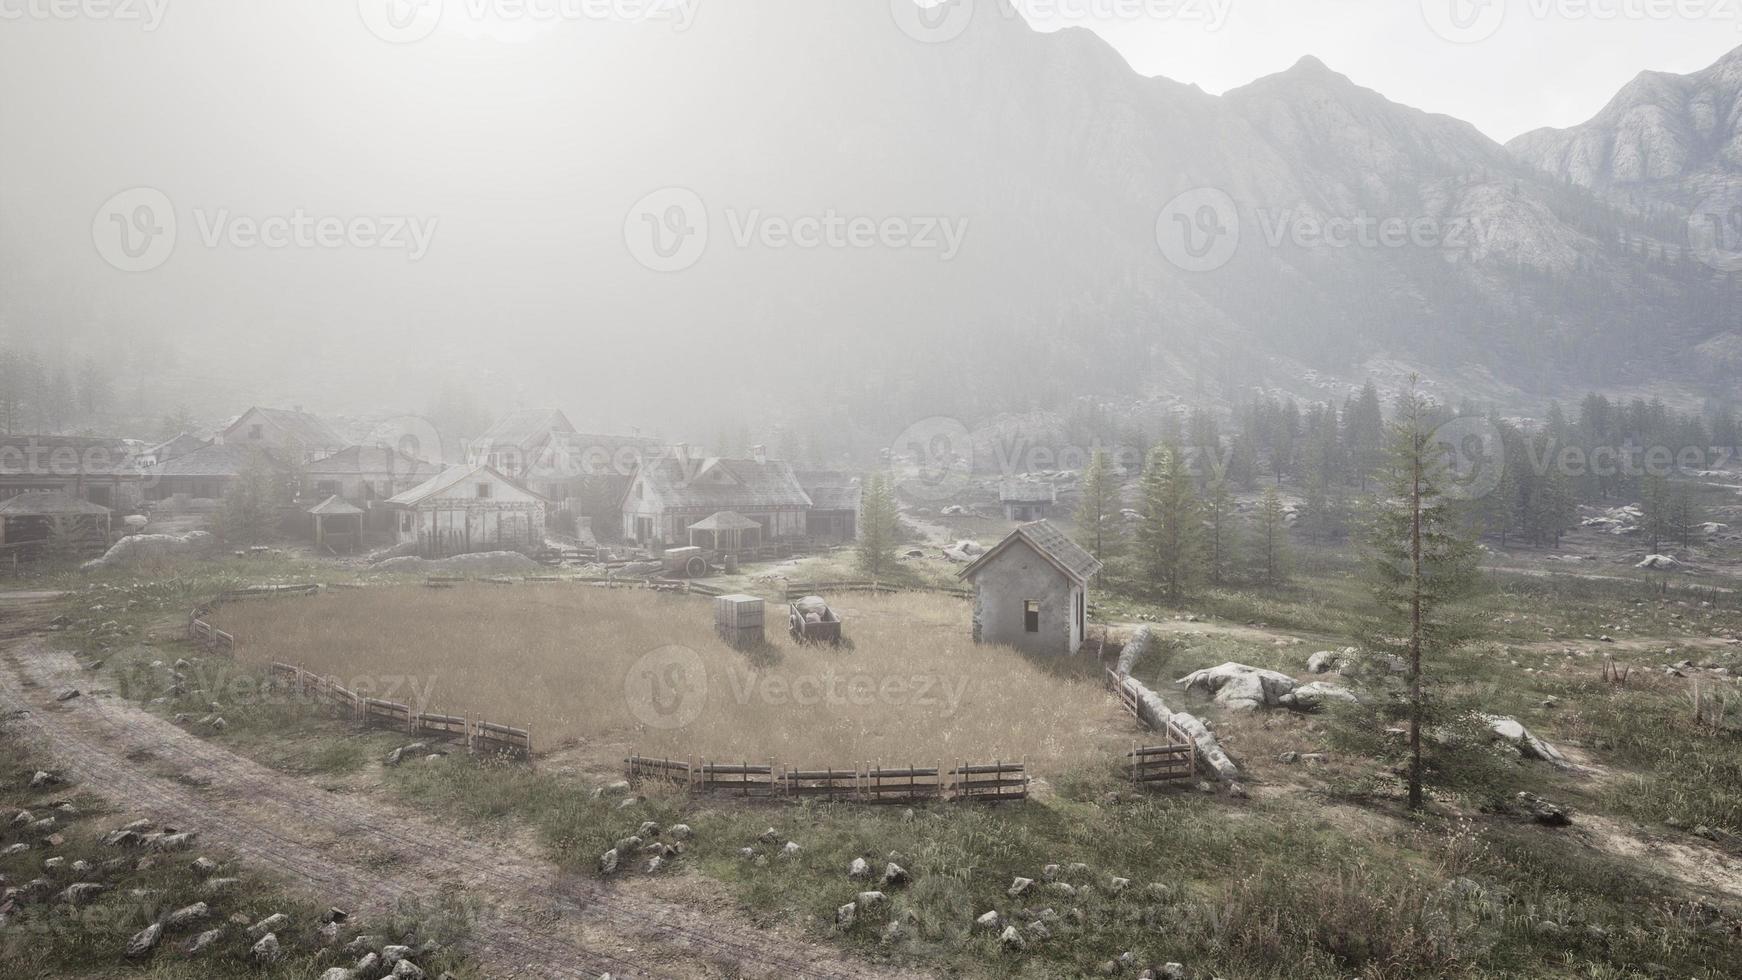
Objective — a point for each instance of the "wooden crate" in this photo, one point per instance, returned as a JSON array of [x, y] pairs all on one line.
[[739, 612]]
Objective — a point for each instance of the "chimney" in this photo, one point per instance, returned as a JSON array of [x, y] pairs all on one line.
[[759, 453]]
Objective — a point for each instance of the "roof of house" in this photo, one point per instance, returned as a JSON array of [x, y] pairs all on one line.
[[691, 483], [334, 506], [1027, 492], [50, 505], [371, 461], [181, 445], [312, 431], [1050, 543], [831, 490], [214, 461], [66, 456], [525, 428], [448, 479], [726, 520]]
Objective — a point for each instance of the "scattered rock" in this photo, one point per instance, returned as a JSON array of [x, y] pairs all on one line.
[[67, 695], [43, 780], [1542, 811], [1513, 732], [860, 868], [272, 923], [266, 950], [144, 941], [681, 831], [608, 862], [846, 915], [202, 942], [1020, 887], [1239, 687], [894, 876], [872, 901], [989, 922], [1010, 939], [791, 850], [184, 917]]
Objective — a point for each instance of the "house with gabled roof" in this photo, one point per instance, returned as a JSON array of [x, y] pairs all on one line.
[[362, 475], [467, 509], [294, 437], [835, 499], [674, 490], [1031, 591]]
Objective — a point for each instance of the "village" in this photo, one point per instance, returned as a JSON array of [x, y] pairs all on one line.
[[801, 688]]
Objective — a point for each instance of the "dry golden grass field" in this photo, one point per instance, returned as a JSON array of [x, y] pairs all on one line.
[[580, 664]]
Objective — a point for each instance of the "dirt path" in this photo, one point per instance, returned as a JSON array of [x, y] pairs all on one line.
[[356, 853]]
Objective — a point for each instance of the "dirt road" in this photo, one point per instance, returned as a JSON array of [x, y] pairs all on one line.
[[362, 854]]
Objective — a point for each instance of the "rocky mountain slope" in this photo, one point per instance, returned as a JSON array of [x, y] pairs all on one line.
[[1674, 138]]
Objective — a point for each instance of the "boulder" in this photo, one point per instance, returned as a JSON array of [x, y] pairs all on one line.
[[272, 923], [184, 917], [202, 942], [608, 862], [1662, 563], [894, 876], [1314, 696], [144, 941], [1326, 661], [860, 868], [1239, 687], [872, 901], [1020, 887], [266, 950], [407, 970], [846, 915], [1010, 939], [989, 922], [148, 547], [1513, 732], [1542, 811]]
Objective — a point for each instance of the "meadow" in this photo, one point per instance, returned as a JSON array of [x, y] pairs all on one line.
[[576, 664]]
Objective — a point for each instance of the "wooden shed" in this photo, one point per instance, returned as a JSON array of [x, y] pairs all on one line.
[[338, 526], [1032, 591], [35, 526], [727, 532]]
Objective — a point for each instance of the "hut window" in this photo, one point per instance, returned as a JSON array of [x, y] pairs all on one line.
[[256, 432], [483, 491], [1031, 615]]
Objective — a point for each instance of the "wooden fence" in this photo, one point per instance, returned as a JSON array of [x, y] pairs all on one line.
[[482, 738], [802, 589], [996, 783], [1175, 759]]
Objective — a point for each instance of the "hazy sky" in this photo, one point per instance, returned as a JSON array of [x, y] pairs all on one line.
[[1544, 62]]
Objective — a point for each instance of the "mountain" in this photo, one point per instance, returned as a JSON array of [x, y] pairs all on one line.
[[1345, 234], [1671, 138]]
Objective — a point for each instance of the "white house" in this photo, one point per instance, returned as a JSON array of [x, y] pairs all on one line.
[[1032, 591], [469, 509]]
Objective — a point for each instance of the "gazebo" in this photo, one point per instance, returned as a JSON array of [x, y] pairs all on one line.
[[730, 532], [338, 522], [36, 525]]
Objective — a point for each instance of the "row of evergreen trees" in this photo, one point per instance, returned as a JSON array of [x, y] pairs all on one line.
[[37, 396]]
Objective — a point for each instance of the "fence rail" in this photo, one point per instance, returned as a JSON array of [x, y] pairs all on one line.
[[999, 782], [500, 740], [801, 589]]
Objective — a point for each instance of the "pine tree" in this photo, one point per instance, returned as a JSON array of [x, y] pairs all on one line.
[[1168, 538], [1270, 540], [1423, 563], [879, 527], [1098, 514], [1218, 517], [251, 508]]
